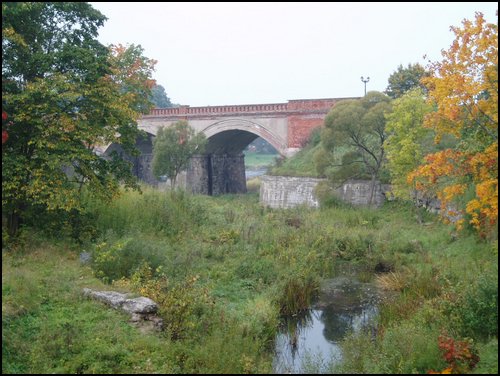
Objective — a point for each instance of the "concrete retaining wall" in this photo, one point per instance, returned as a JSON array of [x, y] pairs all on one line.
[[357, 192], [287, 192]]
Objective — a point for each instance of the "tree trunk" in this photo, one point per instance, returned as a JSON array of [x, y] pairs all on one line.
[[13, 220], [372, 190]]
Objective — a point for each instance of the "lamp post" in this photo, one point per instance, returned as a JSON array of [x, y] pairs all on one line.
[[365, 81]]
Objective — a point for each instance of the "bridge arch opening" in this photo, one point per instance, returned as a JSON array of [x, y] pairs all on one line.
[[260, 155], [221, 169], [237, 154], [236, 134], [141, 164]]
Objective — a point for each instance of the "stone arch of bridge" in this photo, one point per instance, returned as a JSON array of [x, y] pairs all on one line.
[[141, 165], [143, 143], [232, 136]]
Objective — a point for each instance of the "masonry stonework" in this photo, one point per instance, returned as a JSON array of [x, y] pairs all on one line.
[[229, 129], [288, 192], [216, 174]]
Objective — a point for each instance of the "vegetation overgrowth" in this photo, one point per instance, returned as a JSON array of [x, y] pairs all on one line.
[[224, 270]]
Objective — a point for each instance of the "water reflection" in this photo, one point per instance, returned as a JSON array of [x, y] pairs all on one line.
[[250, 174], [309, 342], [338, 324]]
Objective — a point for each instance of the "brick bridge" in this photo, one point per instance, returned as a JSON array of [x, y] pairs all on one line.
[[229, 130]]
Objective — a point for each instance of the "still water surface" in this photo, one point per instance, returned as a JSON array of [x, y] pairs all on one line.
[[309, 342]]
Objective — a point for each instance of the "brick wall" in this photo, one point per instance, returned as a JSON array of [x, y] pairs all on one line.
[[300, 128]]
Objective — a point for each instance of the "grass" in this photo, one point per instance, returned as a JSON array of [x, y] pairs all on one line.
[[258, 160], [301, 164], [224, 269]]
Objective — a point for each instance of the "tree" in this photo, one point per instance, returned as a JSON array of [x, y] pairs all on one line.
[[131, 70], [172, 149], [405, 79], [463, 88], [408, 141], [64, 92], [355, 130], [159, 97]]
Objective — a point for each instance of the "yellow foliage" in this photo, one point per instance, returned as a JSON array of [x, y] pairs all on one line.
[[463, 88]]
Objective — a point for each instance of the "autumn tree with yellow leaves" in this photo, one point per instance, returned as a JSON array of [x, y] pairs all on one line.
[[463, 87]]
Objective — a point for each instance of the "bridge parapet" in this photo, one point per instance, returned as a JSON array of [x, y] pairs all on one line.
[[219, 110], [296, 105]]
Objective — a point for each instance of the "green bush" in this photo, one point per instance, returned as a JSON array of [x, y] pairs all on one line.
[[116, 258], [477, 310], [404, 349], [327, 196]]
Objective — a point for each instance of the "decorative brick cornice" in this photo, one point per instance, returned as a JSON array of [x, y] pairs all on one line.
[[292, 106]]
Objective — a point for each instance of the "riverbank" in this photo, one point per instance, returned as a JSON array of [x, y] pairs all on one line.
[[226, 271]]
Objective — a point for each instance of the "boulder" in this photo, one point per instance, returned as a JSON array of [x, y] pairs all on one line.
[[112, 298], [139, 305], [141, 309]]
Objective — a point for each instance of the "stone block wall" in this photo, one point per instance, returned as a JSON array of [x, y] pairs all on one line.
[[357, 192], [216, 174], [287, 192]]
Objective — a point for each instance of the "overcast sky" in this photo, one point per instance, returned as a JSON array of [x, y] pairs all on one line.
[[246, 53]]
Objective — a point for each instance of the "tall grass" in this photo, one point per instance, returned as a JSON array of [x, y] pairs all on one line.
[[250, 265], [169, 213]]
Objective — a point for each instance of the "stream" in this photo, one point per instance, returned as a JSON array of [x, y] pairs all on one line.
[[309, 342], [252, 173]]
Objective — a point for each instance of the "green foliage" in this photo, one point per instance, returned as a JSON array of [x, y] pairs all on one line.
[[223, 277], [408, 141], [66, 94], [48, 328], [173, 147], [260, 146], [301, 164], [488, 354], [253, 185], [159, 97], [405, 79], [475, 311], [262, 270], [296, 293], [113, 259], [254, 160], [78, 224], [131, 70], [168, 214], [354, 135], [327, 196], [260, 320], [186, 308], [315, 136]]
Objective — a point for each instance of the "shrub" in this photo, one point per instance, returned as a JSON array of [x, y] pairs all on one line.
[[261, 320], [477, 310], [114, 258], [327, 197], [253, 185], [187, 309]]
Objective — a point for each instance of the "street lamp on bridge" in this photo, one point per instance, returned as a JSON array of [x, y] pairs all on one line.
[[365, 81]]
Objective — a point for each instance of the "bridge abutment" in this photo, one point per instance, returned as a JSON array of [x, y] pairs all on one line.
[[216, 174]]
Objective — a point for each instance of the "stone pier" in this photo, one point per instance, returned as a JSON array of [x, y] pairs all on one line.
[[216, 174]]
